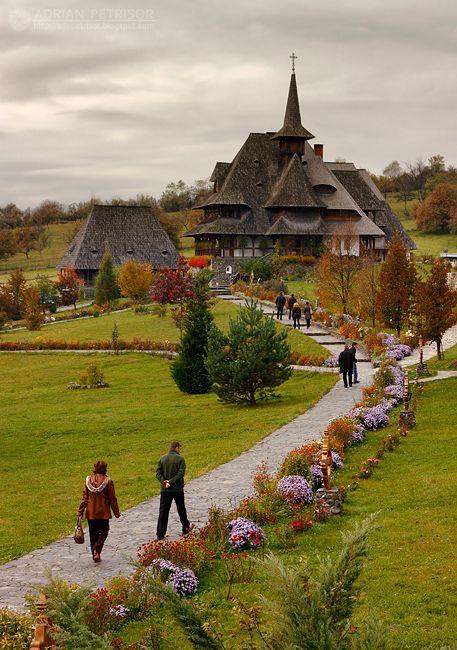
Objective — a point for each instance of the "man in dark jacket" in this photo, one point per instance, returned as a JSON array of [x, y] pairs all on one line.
[[346, 364], [280, 302], [170, 472], [290, 304]]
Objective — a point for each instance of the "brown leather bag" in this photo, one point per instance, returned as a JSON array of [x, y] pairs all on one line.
[[78, 535]]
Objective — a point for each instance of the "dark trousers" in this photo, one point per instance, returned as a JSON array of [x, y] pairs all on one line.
[[290, 313], [308, 322], [166, 499], [356, 376], [98, 532], [296, 322], [347, 374], [280, 312]]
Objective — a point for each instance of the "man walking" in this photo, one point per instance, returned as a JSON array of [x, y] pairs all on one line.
[[307, 313], [290, 304], [280, 302], [170, 472], [354, 361], [346, 364]]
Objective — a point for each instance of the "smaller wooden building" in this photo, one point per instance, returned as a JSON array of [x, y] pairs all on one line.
[[129, 232]]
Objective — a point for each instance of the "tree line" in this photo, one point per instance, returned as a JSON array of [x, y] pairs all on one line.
[[433, 187]]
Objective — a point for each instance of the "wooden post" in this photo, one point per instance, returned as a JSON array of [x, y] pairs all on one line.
[[406, 392], [326, 461], [41, 639]]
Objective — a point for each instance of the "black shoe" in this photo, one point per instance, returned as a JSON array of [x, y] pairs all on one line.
[[188, 529], [356, 382]]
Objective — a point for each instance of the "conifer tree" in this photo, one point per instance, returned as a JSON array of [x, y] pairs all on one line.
[[189, 370], [435, 306], [250, 361], [106, 283], [397, 283]]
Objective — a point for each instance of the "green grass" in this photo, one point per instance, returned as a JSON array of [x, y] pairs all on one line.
[[448, 363], [302, 289], [51, 435], [144, 326], [43, 263], [427, 243]]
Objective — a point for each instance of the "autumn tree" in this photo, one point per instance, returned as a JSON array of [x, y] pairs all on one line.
[[439, 210], [68, 284], [12, 295], [172, 286], [435, 305], [135, 279], [49, 295], [397, 280], [367, 288], [7, 244], [10, 216], [106, 282], [27, 239], [48, 212], [338, 270], [34, 317]]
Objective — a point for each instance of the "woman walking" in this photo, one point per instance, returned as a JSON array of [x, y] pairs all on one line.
[[98, 500], [296, 315], [307, 313]]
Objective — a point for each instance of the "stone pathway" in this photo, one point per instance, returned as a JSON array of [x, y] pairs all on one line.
[[225, 486], [449, 339]]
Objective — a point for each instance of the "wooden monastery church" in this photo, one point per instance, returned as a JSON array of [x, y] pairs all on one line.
[[280, 193]]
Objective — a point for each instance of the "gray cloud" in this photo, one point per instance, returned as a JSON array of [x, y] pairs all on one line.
[[125, 108]]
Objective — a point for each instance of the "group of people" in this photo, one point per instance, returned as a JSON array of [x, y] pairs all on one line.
[[99, 500], [347, 362], [295, 310]]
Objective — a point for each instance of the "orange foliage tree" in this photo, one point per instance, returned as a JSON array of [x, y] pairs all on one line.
[[68, 284], [439, 210], [34, 317], [435, 305], [397, 282], [338, 270], [367, 289], [135, 279]]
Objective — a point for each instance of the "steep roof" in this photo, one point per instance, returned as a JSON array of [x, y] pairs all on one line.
[[130, 232], [293, 188], [292, 127]]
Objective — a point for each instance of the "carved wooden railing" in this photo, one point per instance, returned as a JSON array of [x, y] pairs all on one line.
[[41, 639]]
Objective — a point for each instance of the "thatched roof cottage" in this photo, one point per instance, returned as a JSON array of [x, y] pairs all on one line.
[[130, 232]]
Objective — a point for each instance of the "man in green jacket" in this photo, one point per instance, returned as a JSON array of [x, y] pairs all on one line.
[[170, 472]]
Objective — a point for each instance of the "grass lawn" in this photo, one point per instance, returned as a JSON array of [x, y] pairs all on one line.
[[51, 435], [46, 262], [302, 289], [450, 358], [410, 571], [145, 326]]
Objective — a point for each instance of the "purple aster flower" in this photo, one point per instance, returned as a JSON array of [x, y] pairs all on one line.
[[295, 489], [184, 582], [244, 534], [358, 434], [119, 611], [337, 461], [316, 475]]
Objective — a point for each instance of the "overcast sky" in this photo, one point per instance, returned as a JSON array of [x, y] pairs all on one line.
[[98, 102]]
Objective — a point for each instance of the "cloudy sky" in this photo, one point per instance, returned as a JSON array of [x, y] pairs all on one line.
[[116, 97]]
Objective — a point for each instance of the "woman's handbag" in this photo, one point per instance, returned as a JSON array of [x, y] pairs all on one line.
[[78, 535]]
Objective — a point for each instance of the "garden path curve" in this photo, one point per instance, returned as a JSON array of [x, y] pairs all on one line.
[[225, 486]]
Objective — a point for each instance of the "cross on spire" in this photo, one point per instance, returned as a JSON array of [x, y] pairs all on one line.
[[293, 56]]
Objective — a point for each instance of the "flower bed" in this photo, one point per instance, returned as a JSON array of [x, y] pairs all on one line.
[[41, 343]]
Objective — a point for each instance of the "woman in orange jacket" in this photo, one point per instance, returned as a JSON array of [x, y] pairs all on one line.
[[98, 500]]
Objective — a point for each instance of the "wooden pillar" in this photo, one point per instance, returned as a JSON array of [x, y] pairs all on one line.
[[41, 639]]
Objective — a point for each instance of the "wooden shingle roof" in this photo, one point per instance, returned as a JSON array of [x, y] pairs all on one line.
[[130, 232], [292, 127]]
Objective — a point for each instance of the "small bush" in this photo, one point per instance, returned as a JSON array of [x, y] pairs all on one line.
[[189, 552], [298, 461], [92, 376], [340, 432], [16, 630]]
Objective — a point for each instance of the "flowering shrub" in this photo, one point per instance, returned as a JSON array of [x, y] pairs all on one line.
[[307, 359], [331, 362], [317, 476], [199, 261], [184, 582], [298, 461], [349, 331], [357, 434], [60, 344], [295, 489], [337, 461], [303, 523], [16, 630], [394, 349], [245, 534], [340, 432], [185, 552], [119, 612], [375, 417]]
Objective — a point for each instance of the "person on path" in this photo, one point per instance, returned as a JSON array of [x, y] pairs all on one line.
[[290, 304], [346, 364], [307, 313], [354, 359], [296, 315], [280, 302], [98, 500], [170, 472]]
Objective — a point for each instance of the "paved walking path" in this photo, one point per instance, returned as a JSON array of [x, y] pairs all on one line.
[[449, 339]]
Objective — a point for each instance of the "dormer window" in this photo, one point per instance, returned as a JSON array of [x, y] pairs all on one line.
[[94, 251], [129, 251], [165, 253]]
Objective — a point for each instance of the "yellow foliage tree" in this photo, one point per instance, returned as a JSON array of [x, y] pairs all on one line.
[[34, 317], [135, 279]]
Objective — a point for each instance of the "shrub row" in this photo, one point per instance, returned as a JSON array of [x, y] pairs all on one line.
[[59, 344]]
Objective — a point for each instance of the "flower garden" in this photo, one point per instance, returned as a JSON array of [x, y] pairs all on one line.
[[230, 549]]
